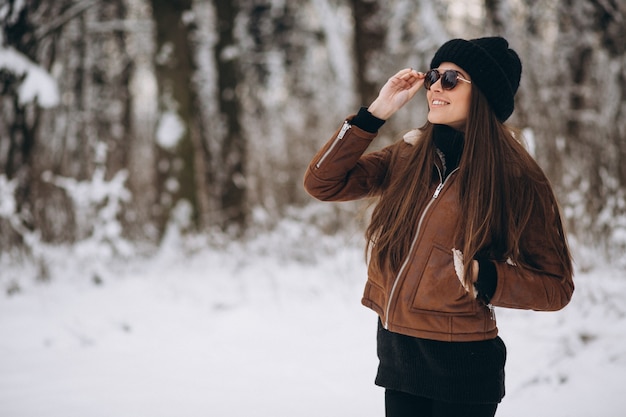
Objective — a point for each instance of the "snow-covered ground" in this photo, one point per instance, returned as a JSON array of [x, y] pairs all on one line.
[[256, 330]]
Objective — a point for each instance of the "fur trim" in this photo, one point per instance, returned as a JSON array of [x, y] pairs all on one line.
[[458, 264], [411, 136], [457, 255]]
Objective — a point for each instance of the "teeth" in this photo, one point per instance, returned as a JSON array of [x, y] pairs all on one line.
[[439, 102]]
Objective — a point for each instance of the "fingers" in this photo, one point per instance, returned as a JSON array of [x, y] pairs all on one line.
[[408, 74], [409, 71], [398, 90], [405, 74], [407, 78], [415, 80]]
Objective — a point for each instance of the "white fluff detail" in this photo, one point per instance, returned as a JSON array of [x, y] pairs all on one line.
[[458, 263], [411, 136], [457, 255]]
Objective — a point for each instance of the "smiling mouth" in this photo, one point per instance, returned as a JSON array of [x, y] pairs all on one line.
[[439, 103]]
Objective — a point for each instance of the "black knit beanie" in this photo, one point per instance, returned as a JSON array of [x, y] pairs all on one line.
[[493, 66]]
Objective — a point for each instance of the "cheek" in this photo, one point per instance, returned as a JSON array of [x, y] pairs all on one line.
[[467, 102], [463, 109], [463, 106]]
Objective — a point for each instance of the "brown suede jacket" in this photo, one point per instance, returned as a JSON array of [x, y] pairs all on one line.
[[425, 298]]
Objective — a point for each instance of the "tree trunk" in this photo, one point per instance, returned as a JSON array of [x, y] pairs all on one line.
[[230, 174], [369, 40], [175, 69]]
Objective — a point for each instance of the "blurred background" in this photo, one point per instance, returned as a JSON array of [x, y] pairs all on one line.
[[121, 117], [159, 257]]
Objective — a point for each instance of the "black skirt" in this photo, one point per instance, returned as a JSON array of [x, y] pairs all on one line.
[[456, 372]]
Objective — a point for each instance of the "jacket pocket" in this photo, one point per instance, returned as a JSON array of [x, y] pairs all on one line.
[[439, 290]]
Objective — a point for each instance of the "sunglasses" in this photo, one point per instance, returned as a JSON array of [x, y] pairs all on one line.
[[449, 79]]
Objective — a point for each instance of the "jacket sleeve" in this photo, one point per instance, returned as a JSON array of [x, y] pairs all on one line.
[[340, 171], [546, 284]]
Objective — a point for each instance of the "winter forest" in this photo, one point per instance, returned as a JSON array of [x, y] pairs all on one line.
[[155, 238]]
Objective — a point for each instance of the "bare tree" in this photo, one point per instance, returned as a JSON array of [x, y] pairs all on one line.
[[230, 175], [369, 40], [178, 133]]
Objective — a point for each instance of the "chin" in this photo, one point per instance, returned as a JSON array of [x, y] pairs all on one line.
[[456, 124], [438, 121]]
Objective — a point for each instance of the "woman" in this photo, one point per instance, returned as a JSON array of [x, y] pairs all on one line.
[[465, 221]]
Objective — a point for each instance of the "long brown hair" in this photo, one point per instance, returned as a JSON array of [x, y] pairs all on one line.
[[501, 187]]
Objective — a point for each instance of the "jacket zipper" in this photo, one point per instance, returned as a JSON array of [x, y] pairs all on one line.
[[417, 232], [340, 136]]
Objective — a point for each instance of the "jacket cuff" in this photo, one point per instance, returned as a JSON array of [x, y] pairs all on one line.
[[487, 280], [366, 121]]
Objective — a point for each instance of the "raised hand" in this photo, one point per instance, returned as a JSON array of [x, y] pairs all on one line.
[[396, 92]]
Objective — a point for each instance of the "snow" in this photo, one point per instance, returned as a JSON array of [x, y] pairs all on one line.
[[7, 190], [37, 84], [260, 329], [170, 130]]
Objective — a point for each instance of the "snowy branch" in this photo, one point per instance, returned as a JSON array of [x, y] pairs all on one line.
[[37, 84]]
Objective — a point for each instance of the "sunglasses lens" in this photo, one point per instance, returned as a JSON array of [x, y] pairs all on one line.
[[431, 78], [449, 79]]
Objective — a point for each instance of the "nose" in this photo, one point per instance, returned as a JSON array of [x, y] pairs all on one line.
[[436, 86]]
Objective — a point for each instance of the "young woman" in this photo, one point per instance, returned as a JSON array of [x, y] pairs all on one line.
[[465, 220]]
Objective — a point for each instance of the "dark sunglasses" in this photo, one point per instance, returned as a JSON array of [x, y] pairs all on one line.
[[449, 79]]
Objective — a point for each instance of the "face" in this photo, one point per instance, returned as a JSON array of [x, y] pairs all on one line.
[[449, 107]]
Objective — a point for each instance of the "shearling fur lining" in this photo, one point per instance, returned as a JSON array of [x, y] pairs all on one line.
[[411, 136], [458, 268]]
